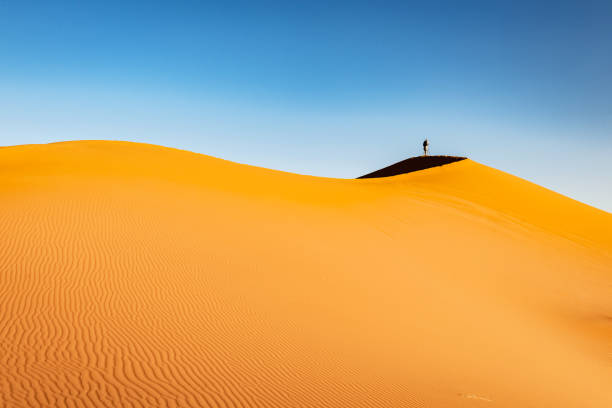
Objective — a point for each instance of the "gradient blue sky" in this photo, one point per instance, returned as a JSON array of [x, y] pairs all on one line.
[[325, 88]]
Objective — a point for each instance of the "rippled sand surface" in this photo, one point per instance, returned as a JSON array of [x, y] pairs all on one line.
[[134, 275]]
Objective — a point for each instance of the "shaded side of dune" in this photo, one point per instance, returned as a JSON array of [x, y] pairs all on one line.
[[413, 164]]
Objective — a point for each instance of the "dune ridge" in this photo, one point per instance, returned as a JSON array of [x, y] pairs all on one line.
[[137, 275], [412, 164]]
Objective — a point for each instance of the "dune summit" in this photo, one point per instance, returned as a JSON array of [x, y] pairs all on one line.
[[413, 164], [136, 275]]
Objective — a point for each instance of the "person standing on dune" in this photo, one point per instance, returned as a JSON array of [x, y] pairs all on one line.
[[425, 147]]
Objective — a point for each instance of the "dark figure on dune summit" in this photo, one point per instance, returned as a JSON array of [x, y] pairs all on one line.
[[425, 161], [425, 147]]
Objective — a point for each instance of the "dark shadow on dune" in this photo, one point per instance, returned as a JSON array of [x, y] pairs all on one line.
[[413, 164]]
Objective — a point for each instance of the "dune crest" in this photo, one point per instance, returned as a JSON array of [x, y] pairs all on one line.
[[412, 164], [136, 275]]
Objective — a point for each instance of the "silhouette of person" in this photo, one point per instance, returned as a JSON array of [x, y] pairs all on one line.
[[426, 147]]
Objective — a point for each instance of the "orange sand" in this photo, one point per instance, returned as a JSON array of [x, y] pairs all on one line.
[[136, 275]]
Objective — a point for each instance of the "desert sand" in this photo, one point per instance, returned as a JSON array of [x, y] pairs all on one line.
[[141, 276]]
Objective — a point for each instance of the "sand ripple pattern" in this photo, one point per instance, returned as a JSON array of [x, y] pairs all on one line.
[[139, 276]]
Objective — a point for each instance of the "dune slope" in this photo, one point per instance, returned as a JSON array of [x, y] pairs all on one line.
[[136, 275]]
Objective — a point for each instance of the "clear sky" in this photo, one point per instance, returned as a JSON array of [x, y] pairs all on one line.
[[321, 87]]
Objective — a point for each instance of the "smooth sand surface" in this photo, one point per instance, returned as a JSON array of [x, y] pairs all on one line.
[[137, 275]]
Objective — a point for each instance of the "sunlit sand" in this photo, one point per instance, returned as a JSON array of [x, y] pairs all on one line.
[[138, 275]]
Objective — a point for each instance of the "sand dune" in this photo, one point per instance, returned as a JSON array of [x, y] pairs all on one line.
[[135, 275]]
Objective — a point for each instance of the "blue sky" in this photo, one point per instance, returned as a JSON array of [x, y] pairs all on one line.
[[326, 88]]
